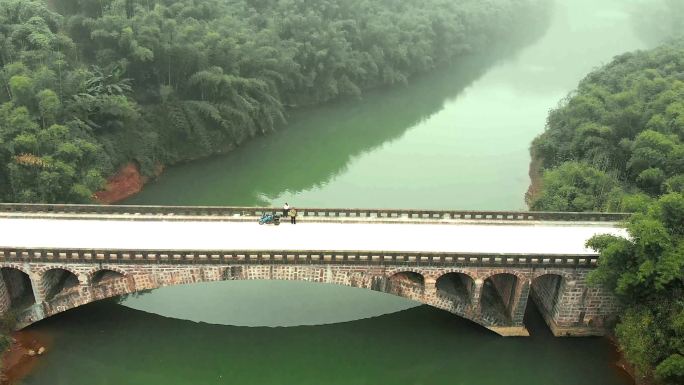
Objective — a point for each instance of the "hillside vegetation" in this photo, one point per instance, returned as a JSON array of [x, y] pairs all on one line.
[[93, 84], [616, 144]]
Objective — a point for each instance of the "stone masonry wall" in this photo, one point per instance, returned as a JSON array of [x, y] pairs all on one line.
[[5, 300], [403, 286], [579, 304]]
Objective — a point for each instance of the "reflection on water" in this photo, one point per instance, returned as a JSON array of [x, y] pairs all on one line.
[[105, 343], [317, 145], [457, 138], [267, 303]]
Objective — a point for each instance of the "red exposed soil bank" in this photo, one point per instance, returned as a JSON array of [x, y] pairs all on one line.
[[17, 361], [124, 184]]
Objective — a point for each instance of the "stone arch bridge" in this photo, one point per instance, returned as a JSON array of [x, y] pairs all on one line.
[[483, 266]]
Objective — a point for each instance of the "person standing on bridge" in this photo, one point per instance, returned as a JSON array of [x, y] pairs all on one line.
[[293, 215], [286, 209]]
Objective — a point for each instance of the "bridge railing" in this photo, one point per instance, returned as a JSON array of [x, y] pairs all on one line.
[[299, 257], [209, 212]]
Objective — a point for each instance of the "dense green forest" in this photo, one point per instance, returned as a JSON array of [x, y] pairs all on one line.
[[88, 85], [646, 273], [616, 144]]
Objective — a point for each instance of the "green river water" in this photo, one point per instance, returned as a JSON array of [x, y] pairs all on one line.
[[457, 138]]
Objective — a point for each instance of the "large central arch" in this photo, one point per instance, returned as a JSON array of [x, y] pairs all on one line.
[[493, 298], [65, 287]]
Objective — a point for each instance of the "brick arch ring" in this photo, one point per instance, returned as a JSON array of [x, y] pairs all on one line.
[[89, 274], [16, 267], [523, 278], [459, 271], [394, 271], [42, 271], [563, 274]]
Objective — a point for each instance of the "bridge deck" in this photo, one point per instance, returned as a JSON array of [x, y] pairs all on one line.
[[536, 238]]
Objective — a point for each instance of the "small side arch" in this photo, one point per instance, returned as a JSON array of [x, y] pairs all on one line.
[[16, 267], [398, 270], [408, 276], [409, 284], [89, 275], [104, 276], [566, 275], [57, 281], [498, 298], [520, 276], [19, 288], [457, 286], [41, 272]]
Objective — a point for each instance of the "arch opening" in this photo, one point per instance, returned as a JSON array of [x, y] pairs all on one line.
[[457, 287], [19, 288], [498, 298], [62, 289], [545, 292], [105, 276], [406, 284], [57, 282]]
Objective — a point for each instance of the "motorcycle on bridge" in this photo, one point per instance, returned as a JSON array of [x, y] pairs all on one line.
[[269, 218]]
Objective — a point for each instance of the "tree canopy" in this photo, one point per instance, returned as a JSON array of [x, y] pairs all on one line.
[[89, 85], [646, 272], [623, 128], [616, 144]]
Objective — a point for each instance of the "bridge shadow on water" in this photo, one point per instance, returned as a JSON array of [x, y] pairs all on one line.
[[106, 343]]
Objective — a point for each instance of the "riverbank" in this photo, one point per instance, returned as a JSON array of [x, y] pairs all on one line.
[[131, 178], [623, 364], [536, 173], [127, 182], [23, 355]]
